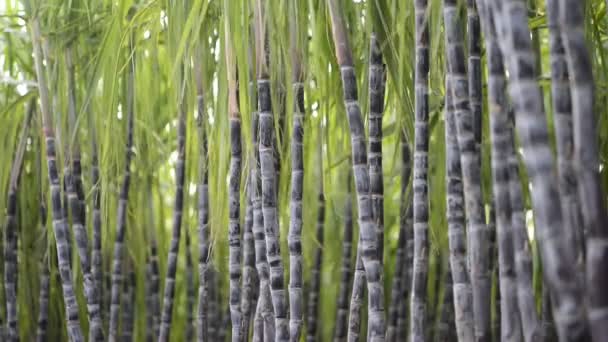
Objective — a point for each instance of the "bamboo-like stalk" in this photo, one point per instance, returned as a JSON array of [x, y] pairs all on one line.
[[405, 221], [376, 108], [420, 177], [474, 72], [215, 316], [45, 277], [202, 316], [558, 261], [189, 334], [368, 244], [500, 138], [503, 135], [562, 120], [269, 179], [234, 184], [462, 290], [180, 168], [154, 288], [478, 251], [547, 323], [312, 319], [357, 296], [446, 329], [249, 273], [586, 155], [396, 287], [121, 219], [11, 243], [400, 283], [294, 236], [59, 225], [96, 253], [265, 304], [530, 322], [74, 195], [43, 298], [128, 306], [341, 327]]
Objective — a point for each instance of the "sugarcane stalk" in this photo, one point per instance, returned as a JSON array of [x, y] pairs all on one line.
[[249, 272], [203, 307], [478, 251], [341, 325], [377, 77], [462, 290], [586, 156], [312, 319], [294, 236], [75, 198], [368, 240], [557, 259], [234, 183], [121, 218], [269, 179], [180, 168], [59, 224]]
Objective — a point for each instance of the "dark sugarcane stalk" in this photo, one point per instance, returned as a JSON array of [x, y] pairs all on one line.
[[203, 307], [96, 250], [149, 302], [586, 156], [377, 77], [258, 324], [474, 72], [190, 293], [269, 179], [45, 277], [43, 301], [405, 220], [501, 124], [501, 144], [400, 278], [396, 287], [75, 197], [259, 246], [214, 315], [294, 237], [154, 288], [357, 297], [418, 297], [368, 241], [562, 120], [477, 238], [59, 225], [234, 183], [264, 300], [531, 325], [462, 290], [180, 168], [312, 320], [249, 274], [121, 218], [446, 328], [558, 261], [341, 325], [128, 306], [11, 243], [547, 323]]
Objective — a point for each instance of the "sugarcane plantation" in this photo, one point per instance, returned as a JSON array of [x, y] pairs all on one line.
[[304, 170]]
